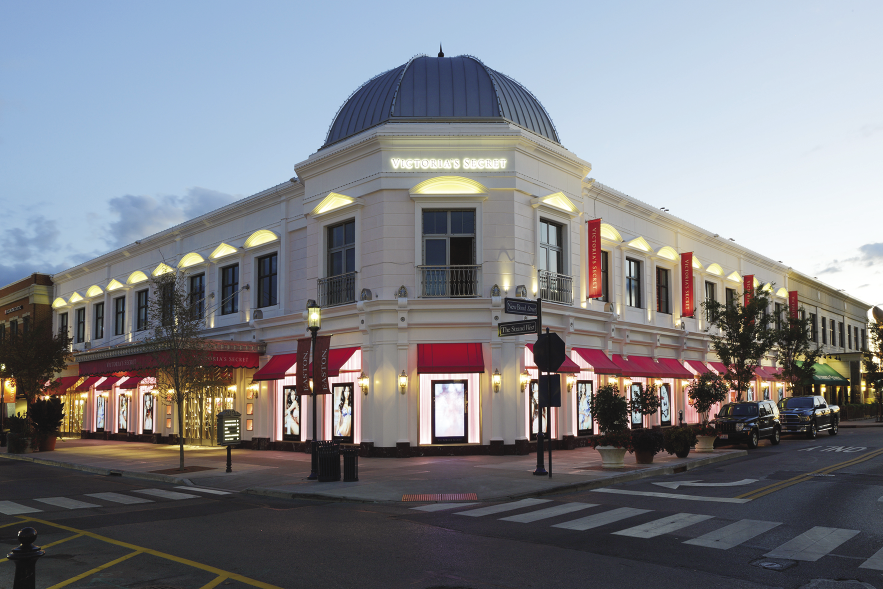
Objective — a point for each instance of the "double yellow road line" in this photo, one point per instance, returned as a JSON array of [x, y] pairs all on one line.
[[756, 493]]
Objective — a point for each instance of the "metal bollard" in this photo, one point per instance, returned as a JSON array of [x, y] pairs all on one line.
[[25, 559]]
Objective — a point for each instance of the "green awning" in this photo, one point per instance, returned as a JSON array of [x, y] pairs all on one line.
[[826, 375]]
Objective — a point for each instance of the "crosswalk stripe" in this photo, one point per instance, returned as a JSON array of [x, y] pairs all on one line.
[[733, 534], [874, 563], [502, 507], [665, 525], [204, 490], [532, 516], [601, 519], [441, 506], [166, 494], [119, 498], [812, 544], [66, 503], [10, 508]]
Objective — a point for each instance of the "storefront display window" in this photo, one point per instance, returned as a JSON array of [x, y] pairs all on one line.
[[100, 411], [637, 418], [291, 414], [750, 393], [584, 391], [123, 414], [342, 419], [450, 402], [665, 404], [149, 413], [535, 410], [765, 389]]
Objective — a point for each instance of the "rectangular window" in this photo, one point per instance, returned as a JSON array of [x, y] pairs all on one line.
[[551, 247], [25, 324], [98, 311], [813, 328], [633, 283], [62, 324], [230, 289], [848, 337], [197, 296], [864, 341], [662, 290], [710, 295], [81, 325], [840, 329], [342, 248], [824, 331], [778, 308], [731, 297], [13, 327], [833, 332], [448, 238], [267, 272], [119, 316], [167, 303], [855, 337], [2, 331], [141, 305], [605, 277]]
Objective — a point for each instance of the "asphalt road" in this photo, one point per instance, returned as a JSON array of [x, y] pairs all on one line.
[[769, 525]]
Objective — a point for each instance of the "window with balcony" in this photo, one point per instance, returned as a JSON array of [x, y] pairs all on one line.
[[554, 285], [663, 304], [197, 296], [449, 268], [141, 306], [98, 311], [339, 287], [81, 325], [230, 289], [267, 280], [633, 283], [119, 316]]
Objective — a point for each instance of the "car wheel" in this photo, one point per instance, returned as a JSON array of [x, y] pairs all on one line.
[[835, 426], [813, 431], [777, 436], [752, 440]]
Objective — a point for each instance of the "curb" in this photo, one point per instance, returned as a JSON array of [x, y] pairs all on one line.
[[857, 426], [131, 474]]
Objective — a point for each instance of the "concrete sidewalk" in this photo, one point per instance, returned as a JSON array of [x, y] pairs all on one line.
[[284, 474]]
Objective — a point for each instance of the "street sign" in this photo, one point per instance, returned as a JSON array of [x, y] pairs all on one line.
[[550, 385], [548, 352], [521, 307], [229, 428], [517, 327]]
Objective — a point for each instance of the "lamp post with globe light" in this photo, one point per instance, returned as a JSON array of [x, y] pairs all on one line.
[[314, 322]]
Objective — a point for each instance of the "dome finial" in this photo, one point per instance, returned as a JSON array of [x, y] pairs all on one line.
[[440, 52]]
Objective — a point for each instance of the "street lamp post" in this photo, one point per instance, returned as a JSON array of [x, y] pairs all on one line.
[[314, 322]]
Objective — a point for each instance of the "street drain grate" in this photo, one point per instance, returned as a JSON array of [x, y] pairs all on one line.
[[442, 497], [774, 564], [821, 475]]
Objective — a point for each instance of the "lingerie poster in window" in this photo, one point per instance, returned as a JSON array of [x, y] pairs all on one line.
[[766, 391], [123, 414], [149, 413], [100, 411], [342, 418], [584, 425], [780, 391], [665, 404], [291, 414], [450, 400], [637, 418], [535, 411]]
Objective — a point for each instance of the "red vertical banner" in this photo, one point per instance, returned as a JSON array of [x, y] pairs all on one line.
[[320, 372], [748, 287], [793, 304], [688, 302], [596, 289], [303, 362]]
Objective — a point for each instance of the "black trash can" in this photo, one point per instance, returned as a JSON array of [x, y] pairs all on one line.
[[329, 461], [350, 464]]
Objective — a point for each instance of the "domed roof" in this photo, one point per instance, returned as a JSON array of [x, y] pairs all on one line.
[[440, 89]]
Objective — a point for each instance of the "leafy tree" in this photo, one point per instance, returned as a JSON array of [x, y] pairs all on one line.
[[797, 354], [873, 360], [744, 336], [705, 391], [611, 410], [647, 402], [33, 357]]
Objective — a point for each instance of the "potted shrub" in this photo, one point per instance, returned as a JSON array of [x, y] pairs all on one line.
[[46, 416], [647, 443], [679, 440], [704, 392], [20, 437], [611, 411]]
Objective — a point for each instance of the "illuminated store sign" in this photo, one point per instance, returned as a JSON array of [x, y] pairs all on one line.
[[448, 164]]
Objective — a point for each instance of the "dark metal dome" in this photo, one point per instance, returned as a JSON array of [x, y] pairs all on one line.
[[440, 89]]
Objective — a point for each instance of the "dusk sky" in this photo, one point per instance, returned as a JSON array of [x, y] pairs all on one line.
[[760, 121]]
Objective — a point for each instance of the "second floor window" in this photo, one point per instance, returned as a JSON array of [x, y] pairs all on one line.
[[342, 248], [230, 289], [710, 295], [25, 324], [632, 283], [855, 336], [98, 310], [267, 272], [840, 328], [62, 324], [848, 337], [448, 238], [731, 297], [141, 305], [81, 325], [824, 330], [864, 341], [813, 328], [551, 247], [605, 277], [3, 331], [662, 291], [119, 316], [197, 296], [778, 315]]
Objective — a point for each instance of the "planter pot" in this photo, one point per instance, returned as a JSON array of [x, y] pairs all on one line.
[[611, 456], [644, 457], [682, 452], [705, 443], [18, 444], [47, 443]]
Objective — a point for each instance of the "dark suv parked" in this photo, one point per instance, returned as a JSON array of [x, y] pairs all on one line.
[[747, 422]]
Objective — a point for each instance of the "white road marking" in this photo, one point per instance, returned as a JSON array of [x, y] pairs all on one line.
[[733, 534], [675, 485], [874, 563], [119, 498], [441, 506], [166, 494], [10, 508], [204, 490], [672, 496], [66, 503], [601, 519], [502, 507], [665, 525], [812, 544], [526, 518]]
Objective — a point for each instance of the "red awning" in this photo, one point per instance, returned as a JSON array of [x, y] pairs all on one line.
[[767, 372], [718, 367], [567, 366], [277, 368], [87, 384], [107, 384], [598, 360], [675, 368], [137, 362], [449, 358], [649, 367], [336, 359], [631, 368], [62, 384], [130, 383], [698, 366]]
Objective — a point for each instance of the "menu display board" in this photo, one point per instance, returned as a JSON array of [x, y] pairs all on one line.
[[229, 428]]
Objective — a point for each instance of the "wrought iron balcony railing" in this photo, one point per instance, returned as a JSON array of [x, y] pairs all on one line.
[[450, 281], [554, 287], [337, 290]]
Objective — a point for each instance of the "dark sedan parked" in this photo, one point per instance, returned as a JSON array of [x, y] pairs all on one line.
[[747, 422]]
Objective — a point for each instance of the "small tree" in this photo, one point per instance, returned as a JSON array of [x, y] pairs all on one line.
[[797, 354], [745, 336], [873, 360], [647, 402], [705, 391], [611, 410], [33, 357]]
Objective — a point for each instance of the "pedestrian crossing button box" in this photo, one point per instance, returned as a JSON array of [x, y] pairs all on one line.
[[229, 428]]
